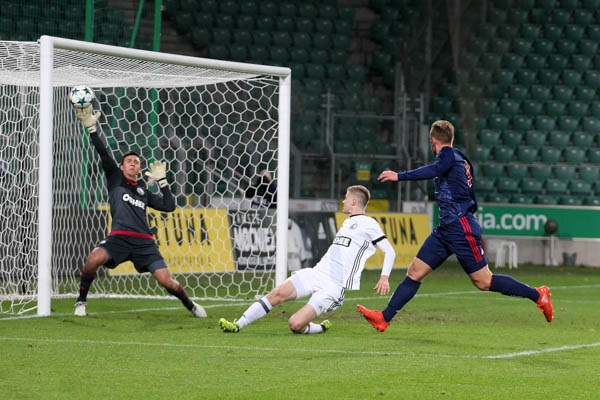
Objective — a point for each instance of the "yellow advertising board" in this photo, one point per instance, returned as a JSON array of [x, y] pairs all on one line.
[[190, 240], [406, 233]]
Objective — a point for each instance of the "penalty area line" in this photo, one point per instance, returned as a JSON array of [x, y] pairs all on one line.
[[304, 350]]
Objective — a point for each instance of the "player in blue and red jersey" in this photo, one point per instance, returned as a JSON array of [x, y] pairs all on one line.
[[458, 232], [130, 238]]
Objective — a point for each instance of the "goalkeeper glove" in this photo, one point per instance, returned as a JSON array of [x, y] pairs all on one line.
[[158, 173], [88, 118]]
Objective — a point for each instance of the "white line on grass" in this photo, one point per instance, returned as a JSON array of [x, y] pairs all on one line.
[[304, 350]]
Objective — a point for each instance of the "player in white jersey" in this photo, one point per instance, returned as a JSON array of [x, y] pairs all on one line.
[[339, 270]]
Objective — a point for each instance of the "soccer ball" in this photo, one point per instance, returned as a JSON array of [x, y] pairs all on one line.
[[81, 96]]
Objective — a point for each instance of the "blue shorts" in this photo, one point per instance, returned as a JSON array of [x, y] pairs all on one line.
[[461, 237], [142, 252]]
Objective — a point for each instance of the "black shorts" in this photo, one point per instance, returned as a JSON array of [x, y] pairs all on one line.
[[142, 252]]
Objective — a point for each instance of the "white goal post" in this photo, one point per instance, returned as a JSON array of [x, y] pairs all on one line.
[[215, 123]]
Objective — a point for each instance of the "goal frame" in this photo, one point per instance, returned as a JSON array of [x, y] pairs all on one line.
[[47, 46]]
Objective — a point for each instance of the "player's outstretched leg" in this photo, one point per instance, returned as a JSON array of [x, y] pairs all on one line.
[[198, 311], [544, 303], [80, 310], [374, 317]]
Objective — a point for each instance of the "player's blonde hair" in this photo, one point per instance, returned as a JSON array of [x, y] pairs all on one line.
[[443, 131], [361, 193]]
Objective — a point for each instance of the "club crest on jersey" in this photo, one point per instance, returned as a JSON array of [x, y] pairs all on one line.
[[342, 241], [140, 191]]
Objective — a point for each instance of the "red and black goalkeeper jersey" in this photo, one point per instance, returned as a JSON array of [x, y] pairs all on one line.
[[128, 200]]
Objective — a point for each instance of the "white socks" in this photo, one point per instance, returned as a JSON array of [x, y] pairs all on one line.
[[256, 311]]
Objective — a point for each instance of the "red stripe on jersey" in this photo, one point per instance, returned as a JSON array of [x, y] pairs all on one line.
[[129, 233], [469, 236]]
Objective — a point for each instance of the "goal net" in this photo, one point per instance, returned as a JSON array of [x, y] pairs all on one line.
[[216, 124]]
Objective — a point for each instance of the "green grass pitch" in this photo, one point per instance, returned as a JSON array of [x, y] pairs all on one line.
[[450, 342]]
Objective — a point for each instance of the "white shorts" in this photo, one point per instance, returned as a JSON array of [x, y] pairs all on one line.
[[326, 295]]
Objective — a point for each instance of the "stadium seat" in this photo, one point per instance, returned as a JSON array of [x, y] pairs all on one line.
[[539, 92], [581, 62], [532, 107], [543, 46], [582, 139], [512, 137], [545, 123], [564, 172], [577, 108], [579, 187], [558, 61], [555, 186], [535, 138], [552, 31], [512, 61], [560, 16], [568, 123], [531, 185], [589, 173], [318, 56], [591, 78], [492, 170], [522, 198], [486, 106], [507, 185], [491, 60], [566, 200], [551, 155], [487, 31], [521, 123], [559, 138], [554, 108], [498, 122], [516, 171], [536, 61], [574, 32], [593, 155], [497, 198], [562, 93], [480, 153], [521, 46], [242, 37], [527, 154], [585, 93], [507, 31], [546, 199], [509, 107], [566, 47], [489, 137], [518, 92], [591, 201], [540, 172], [593, 31], [496, 16], [486, 185], [590, 124], [530, 31], [503, 153], [248, 7]]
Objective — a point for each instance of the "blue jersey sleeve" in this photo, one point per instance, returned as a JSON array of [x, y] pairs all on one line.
[[443, 162]]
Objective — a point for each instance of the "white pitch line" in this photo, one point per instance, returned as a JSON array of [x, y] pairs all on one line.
[[305, 350]]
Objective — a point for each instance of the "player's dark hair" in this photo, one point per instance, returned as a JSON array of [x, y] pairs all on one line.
[[362, 192], [129, 153], [443, 131]]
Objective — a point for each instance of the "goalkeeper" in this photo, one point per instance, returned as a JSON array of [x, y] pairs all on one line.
[[130, 238]]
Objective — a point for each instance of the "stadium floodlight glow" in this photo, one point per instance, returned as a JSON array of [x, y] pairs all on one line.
[[216, 124]]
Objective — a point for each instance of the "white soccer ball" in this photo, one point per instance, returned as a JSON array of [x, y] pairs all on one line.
[[81, 96]]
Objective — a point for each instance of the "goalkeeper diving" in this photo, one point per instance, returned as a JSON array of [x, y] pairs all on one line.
[[130, 238]]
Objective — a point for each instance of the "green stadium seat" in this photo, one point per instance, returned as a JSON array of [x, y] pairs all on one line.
[[492, 170], [262, 38], [498, 122], [566, 47], [536, 61], [282, 38], [496, 16], [540, 172], [481, 153], [507, 31], [489, 137], [307, 10], [546, 199], [218, 52], [577, 108], [590, 124], [486, 106], [238, 52], [242, 37], [518, 92], [530, 31], [502, 198], [559, 138], [512, 137], [593, 155], [588, 47], [568, 123], [582, 139], [486, 185], [314, 70], [564, 172], [522, 123], [322, 41], [516, 171], [570, 200], [491, 60], [582, 17], [245, 22], [551, 155], [531, 185], [581, 62], [591, 201], [224, 21], [555, 186], [221, 36], [591, 78], [558, 61], [595, 109], [589, 173], [299, 55], [539, 92], [343, 27], [521, 46], [511, 62], [265, 22], [560, 16], [499, 45], [279, 55], [571, 77], [578, 187], [590, 4], [562, 93], [503, 153], [259, 54], [507, 185], [288, 9], [552, 31], [487, 31], [248, 7], [543, 46], [585, 93], [554, 108], [545, 123], [340, 41], [532, 107], [593, 31], [526, 76], [535, 138], [323, 25], [509, 107], [269, 8], [574, 32], [522, 198], [527, 154]]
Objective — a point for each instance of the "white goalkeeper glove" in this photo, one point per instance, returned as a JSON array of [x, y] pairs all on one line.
[[87, 117], [158, 173]]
